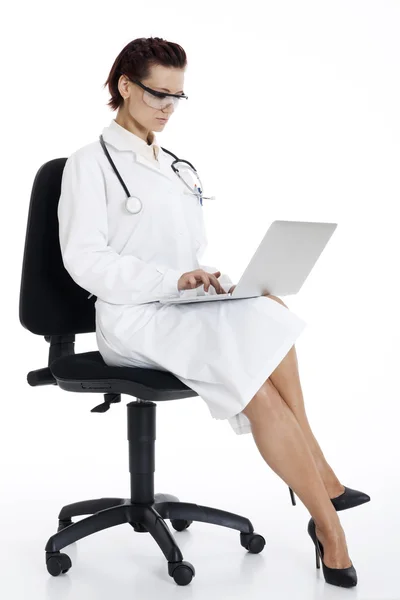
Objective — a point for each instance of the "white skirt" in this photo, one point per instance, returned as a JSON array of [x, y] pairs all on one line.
[[223, 350]]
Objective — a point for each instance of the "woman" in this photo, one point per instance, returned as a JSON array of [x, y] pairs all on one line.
[[129, 252]]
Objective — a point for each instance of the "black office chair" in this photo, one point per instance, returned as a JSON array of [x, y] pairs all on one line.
[[53, 305]]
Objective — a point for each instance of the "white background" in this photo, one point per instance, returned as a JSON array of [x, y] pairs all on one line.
[[293, 113]]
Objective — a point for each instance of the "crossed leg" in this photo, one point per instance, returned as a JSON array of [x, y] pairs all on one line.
[[286, 380]]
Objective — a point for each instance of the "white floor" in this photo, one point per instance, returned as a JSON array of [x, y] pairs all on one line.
[[58, 452]]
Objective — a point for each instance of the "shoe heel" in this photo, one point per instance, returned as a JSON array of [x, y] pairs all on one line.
[[317, 561]]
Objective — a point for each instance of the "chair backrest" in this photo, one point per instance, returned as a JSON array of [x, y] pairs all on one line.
[[50, 302]]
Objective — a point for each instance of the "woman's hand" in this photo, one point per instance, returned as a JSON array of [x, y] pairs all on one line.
[[193, 279], [231, 289]]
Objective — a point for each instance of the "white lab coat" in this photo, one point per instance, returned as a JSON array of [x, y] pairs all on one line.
[[223, 350]]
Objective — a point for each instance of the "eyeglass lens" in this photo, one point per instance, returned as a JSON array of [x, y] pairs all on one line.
[[160, 103]]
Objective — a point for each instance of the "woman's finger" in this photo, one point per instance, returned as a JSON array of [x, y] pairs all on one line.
[[206, 281], [216, 284]]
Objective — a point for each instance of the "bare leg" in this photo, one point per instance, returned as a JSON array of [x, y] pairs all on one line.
[[282, 444], [286, 380]]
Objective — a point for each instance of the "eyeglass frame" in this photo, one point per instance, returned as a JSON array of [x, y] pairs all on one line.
[[155, 92]]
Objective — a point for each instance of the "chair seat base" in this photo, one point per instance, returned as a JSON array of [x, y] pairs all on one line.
[[145, 511], [146, 518]]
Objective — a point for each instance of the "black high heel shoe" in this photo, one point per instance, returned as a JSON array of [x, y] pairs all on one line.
[[342, 577], [348, 499]]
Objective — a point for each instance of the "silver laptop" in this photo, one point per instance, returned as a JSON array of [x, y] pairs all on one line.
[[280, 265]]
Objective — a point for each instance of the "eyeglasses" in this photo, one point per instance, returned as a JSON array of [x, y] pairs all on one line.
[[157, 99]]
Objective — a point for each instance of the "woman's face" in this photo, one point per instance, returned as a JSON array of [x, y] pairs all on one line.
[[144, 107]]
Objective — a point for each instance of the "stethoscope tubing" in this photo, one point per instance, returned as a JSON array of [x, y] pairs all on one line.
[[114, 167]]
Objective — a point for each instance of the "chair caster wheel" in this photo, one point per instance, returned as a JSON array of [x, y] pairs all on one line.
[[253, 542], [180, 524], [64, 524], [57, 563], [182, 572]]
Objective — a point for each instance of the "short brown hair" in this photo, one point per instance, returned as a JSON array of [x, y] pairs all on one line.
[[136, 59]]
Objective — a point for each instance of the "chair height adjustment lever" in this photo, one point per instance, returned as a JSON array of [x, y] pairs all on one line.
[[108, 400]]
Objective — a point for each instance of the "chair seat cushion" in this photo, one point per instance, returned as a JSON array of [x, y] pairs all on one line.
[[89, 367]]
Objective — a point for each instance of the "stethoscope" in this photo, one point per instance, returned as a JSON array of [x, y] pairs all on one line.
[[133, 204]]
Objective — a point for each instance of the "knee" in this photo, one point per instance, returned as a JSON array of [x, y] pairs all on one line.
[[275, 298], [266, 399]]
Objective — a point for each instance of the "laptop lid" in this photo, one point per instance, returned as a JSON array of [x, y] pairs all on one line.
[[284, 258]]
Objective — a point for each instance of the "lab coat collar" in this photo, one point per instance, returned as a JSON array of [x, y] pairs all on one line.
[[147, 154]]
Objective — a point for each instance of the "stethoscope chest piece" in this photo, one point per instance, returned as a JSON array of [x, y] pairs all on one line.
[[133, 204]]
